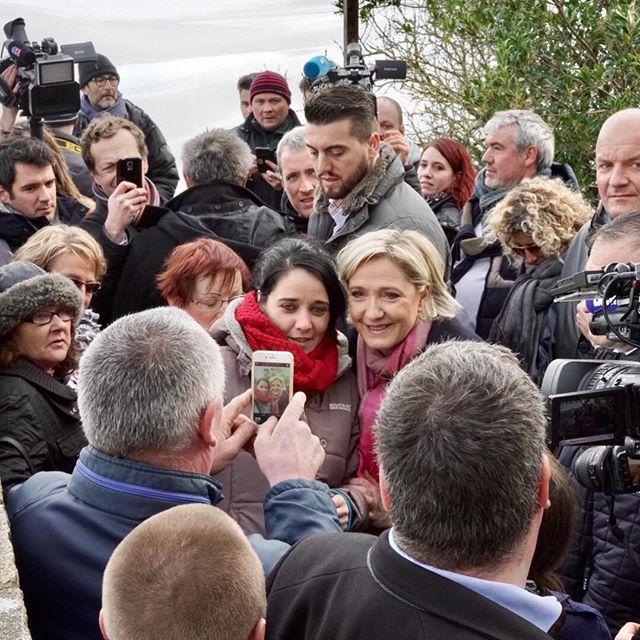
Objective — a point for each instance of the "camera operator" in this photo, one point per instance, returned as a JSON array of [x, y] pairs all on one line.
[[602, 570]]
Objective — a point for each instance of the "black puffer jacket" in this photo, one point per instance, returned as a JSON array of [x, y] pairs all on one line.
[[162, 165], [39, 413], [599, 569]]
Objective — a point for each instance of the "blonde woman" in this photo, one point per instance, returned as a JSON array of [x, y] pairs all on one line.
[[535, 224], [398, 303]]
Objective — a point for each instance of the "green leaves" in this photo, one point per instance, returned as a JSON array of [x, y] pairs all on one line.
[[573, 62]]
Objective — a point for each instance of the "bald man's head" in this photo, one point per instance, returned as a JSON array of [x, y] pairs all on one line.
[[618, 162]]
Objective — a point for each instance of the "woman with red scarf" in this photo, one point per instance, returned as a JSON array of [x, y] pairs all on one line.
[[296, 303], [398, 303]]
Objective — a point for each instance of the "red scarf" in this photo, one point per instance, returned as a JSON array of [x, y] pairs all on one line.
[[375, 371], [313, 372]]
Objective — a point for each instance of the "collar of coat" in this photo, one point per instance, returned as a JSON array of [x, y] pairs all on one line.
[[386, 172]]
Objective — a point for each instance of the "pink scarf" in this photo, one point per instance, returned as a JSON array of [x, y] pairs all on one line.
[[375, 371]]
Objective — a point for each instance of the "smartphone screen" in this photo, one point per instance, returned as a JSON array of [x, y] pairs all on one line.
[[129, 170], [262, 155], [272, 383]]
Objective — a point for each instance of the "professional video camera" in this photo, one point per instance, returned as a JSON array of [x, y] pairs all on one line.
[[613, 297], [595, 402], [320, 70], [46, 84]]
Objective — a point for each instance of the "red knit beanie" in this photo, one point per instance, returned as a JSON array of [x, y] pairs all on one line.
[[270, 82]]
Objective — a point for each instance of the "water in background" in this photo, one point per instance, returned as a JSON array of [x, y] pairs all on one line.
[[180, 60]]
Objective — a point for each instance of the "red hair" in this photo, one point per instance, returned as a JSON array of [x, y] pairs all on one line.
[[458, 157], [202, 258]]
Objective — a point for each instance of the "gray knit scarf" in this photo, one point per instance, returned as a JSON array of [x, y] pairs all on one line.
[[118, 108]]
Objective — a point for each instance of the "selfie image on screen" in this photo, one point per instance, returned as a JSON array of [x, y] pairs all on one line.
[[270, 390]]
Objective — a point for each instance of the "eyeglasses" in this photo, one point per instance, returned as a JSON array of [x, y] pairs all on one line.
[[102, 80], [45, 317], [214, 303], [521, 250], [89, 287]]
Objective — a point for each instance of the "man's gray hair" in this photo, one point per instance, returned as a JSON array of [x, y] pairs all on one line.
[[293, 140], [460, 437], [531, 130], [217, 155], [145, 381]]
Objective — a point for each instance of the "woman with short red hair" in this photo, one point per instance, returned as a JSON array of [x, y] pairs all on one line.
[[202, 277]]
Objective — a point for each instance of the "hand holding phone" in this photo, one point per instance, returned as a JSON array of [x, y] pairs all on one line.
[[272, 383]]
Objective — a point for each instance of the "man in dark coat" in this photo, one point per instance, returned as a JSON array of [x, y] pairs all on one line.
[[465, 516], [269, 119], [618, 180], [216, 204], [99, 82], [28, 197]]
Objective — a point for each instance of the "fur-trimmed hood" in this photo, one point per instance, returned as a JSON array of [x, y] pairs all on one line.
[[386, 172], [25, 288]]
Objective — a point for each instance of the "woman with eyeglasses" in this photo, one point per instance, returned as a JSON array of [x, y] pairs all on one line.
[[72, 252], [295, 306], [535, 224], [202, 277], [39, 424]]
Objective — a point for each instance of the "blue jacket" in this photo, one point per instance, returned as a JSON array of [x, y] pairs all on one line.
[[65, 527]]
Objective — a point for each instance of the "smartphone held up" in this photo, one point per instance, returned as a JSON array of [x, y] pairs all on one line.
[[130, 170], [271, 382]]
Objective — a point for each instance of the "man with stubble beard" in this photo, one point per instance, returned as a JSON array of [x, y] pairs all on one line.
[[361, 178]]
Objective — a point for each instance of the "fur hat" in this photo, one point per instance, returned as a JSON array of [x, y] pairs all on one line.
[[101, 66], [270, 82], [26, 288]]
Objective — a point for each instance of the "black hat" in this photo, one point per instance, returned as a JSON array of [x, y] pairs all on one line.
[[101, 66], [60, 119]]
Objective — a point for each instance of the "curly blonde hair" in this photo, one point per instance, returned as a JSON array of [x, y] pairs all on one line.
[[546, 210]]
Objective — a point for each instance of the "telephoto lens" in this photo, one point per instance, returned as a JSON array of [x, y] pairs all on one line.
[[591, 468]]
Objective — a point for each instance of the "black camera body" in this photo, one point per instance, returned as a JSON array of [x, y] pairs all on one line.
[[45, 73], [597, 403], [617, 288], [355, 70]]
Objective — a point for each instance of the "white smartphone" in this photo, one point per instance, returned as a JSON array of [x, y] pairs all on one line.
[[272, 383]]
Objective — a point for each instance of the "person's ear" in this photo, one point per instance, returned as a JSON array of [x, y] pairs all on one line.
[[531, 156], [102, 625], [145, 166], [543, 483], [209, 422], [258, 631], [5, 196], [187, 180], [384, 494], [374, 145]]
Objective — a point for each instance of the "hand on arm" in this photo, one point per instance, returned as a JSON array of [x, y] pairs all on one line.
[[630, 631]]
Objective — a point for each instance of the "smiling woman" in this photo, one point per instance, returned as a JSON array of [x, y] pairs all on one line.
[[295, 307], [398, 303], [39, 424]]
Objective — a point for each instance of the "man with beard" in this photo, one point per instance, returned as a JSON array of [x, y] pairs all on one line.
[[361, 178], [99, 81]]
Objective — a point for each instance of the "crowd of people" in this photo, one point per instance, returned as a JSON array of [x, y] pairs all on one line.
[[402, 486]]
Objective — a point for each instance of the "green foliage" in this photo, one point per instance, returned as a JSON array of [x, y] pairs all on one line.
[[574, 62]]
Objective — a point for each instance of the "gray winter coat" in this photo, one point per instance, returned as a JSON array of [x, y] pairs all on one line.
[[381, 200], [332, 416]]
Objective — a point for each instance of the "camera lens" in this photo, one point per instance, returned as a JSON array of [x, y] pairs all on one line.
[[590, 466]]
